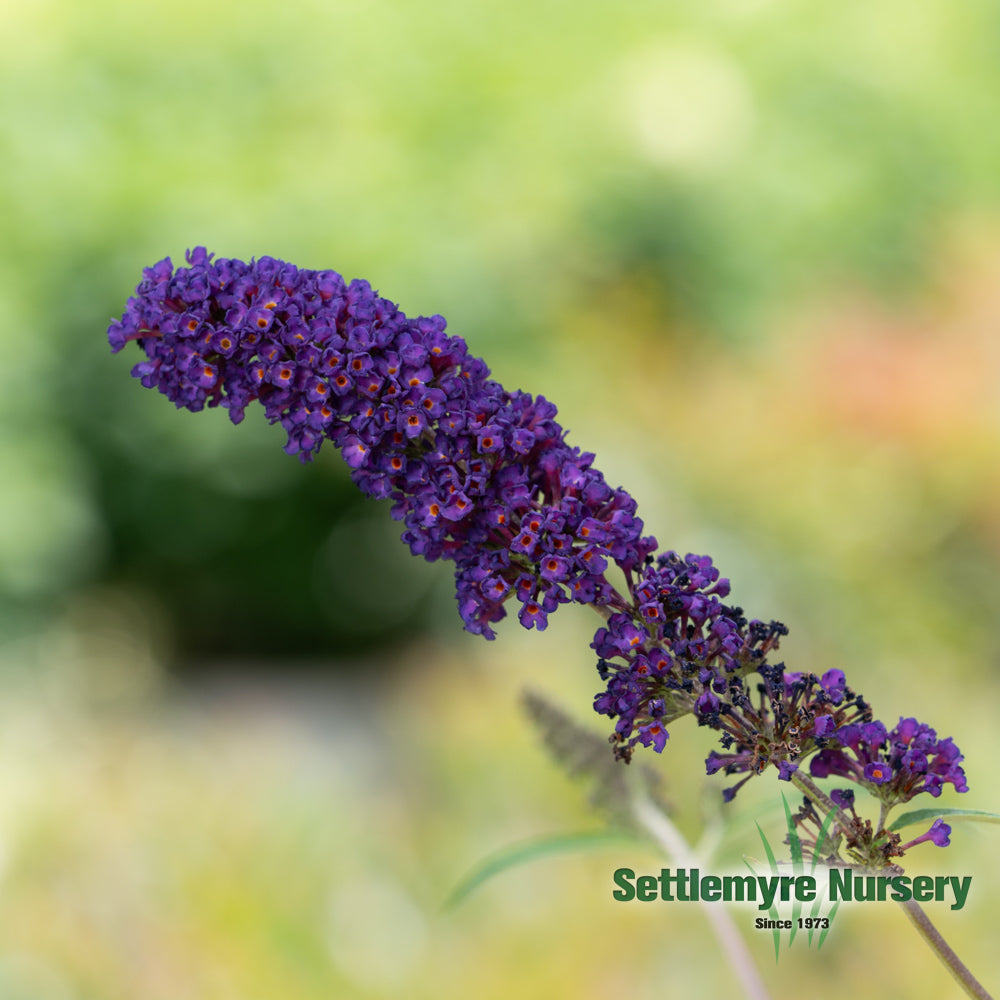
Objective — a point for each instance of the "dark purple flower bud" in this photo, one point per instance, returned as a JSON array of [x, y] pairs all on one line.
[[833, 682], [828, 762], [786, 769], [843, 797], [824, 725], [707, 703]]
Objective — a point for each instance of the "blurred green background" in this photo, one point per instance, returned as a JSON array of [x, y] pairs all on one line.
[[751, 248]]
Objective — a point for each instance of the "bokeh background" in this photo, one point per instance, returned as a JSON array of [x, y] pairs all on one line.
[[752, 250]]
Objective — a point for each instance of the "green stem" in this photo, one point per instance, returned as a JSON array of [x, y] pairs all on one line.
[[913, 910], [814, 792], [882, 814], [663, 831], [941, 948]]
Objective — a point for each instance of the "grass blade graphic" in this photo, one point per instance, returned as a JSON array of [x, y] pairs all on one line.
[[826, 930], [795, 845], [820, 842], [773, 911]]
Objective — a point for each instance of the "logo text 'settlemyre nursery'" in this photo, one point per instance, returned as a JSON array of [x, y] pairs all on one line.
[[784, 890], [684, 885]]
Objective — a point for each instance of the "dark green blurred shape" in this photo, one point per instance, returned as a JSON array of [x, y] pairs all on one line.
[[503, 165]]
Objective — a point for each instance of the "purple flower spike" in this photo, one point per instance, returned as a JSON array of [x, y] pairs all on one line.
[[477, 475], [483, 477]]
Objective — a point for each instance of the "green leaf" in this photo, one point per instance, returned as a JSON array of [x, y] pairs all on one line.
[[920, 815], [531, 850]]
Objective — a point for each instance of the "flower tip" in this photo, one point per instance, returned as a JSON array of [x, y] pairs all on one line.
[[786, 769], [939, 833], [116, 336]]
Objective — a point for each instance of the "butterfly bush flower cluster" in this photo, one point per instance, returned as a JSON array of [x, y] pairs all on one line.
[[483, 477], [477, 475]]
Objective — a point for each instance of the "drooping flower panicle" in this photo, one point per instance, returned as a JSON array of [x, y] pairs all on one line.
[[484, 477], [477, 475]]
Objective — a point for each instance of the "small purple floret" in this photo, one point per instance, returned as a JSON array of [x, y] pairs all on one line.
[[878, 773], [786, 769], [939, 834]]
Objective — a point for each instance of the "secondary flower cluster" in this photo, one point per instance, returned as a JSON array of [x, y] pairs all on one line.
[[677, 648], [484, 477], [785, 719], [901, 762]]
